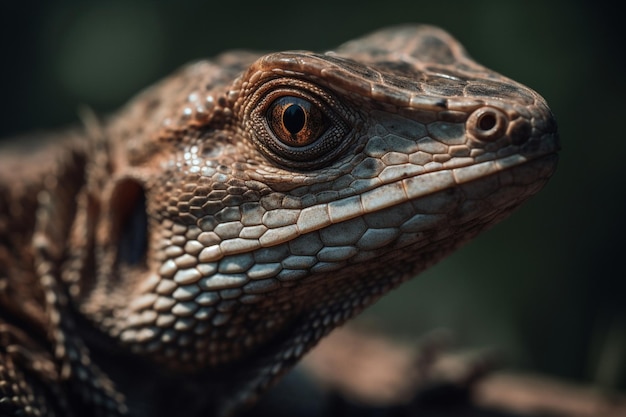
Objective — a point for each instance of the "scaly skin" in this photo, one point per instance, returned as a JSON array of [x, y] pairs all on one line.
[[202, 239]]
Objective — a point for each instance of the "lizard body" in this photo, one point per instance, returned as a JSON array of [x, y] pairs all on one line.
[[209, 233]]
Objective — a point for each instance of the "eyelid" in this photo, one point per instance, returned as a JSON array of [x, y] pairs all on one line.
[[327, 147]]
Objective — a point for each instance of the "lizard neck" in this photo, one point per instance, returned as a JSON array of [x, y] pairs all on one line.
[[36, 179]]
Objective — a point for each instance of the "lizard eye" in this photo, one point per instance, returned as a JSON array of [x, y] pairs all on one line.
[[301, 127], [296, 122]]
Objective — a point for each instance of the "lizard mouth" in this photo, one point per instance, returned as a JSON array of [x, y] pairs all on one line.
[[503, 184], [392, 193]]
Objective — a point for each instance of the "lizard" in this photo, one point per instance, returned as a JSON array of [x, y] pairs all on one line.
[[187, 250]]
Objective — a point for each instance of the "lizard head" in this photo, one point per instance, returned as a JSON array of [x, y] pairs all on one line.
[[279, 195]]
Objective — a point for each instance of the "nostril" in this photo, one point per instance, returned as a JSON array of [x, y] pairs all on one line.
[[487, 123]]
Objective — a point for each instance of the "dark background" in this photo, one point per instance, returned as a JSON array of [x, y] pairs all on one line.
[[547, 286]]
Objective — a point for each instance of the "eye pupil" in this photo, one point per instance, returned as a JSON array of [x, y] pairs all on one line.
[[294, 118]]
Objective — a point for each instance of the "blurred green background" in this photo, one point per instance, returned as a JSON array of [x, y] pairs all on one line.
[[547, 286]]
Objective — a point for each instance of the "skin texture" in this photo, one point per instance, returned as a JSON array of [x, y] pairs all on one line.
[[198, 242]]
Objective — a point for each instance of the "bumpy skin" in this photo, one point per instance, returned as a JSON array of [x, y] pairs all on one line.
[[181, 255]]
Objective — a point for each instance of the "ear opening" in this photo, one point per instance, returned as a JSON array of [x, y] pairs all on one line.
[[130, 222]]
